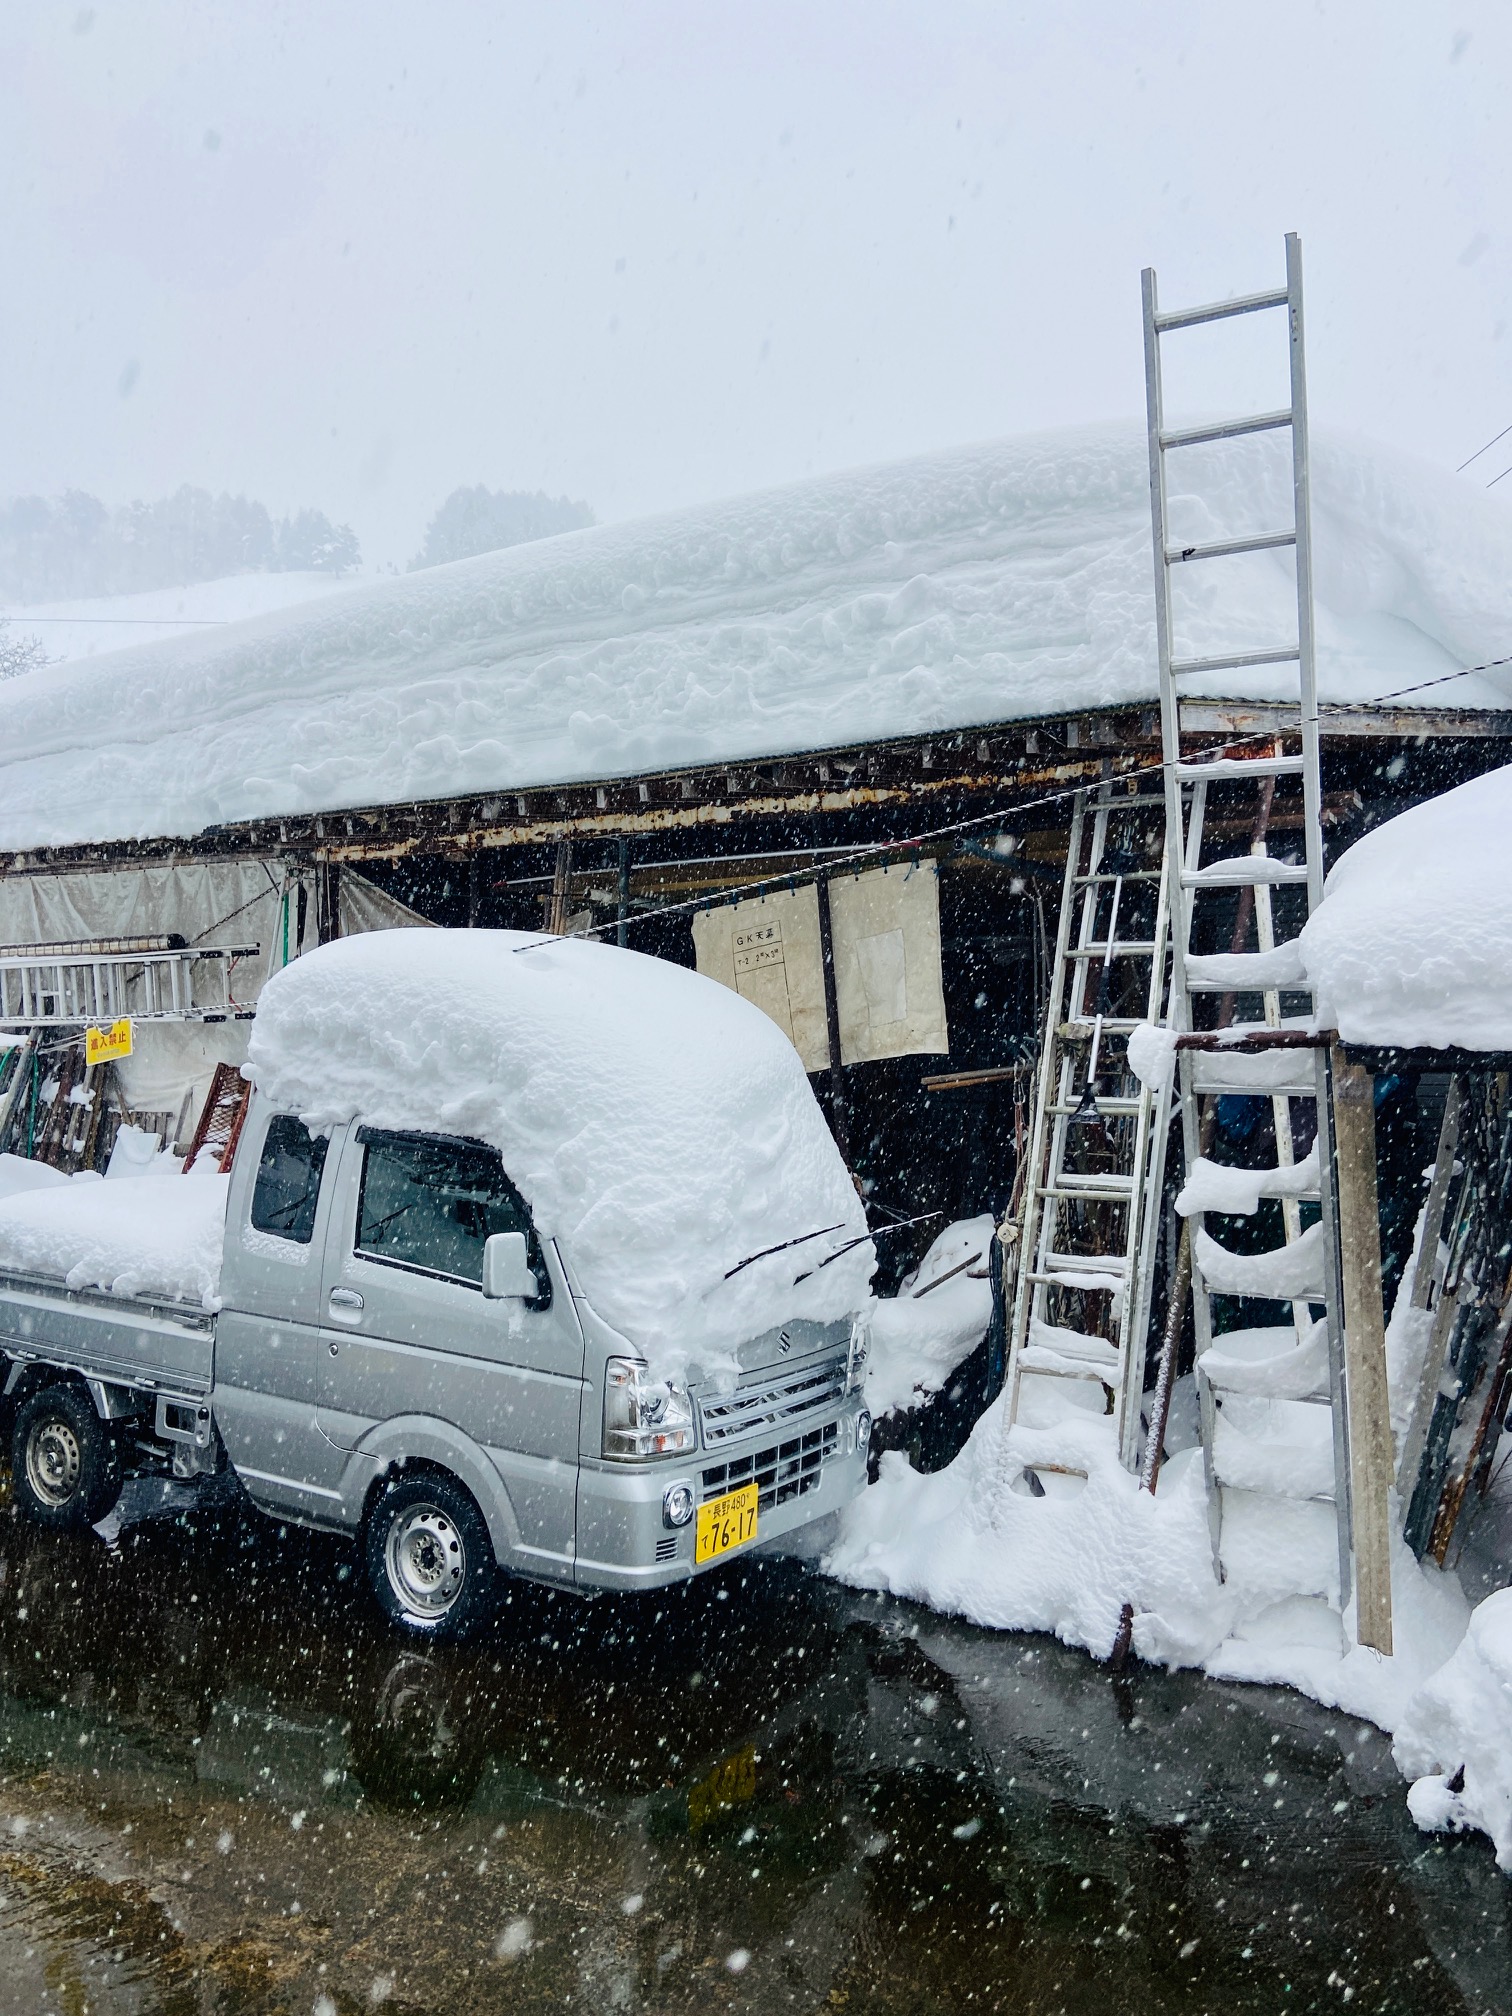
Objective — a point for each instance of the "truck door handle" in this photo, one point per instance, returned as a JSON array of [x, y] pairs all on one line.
[[345, 1298]]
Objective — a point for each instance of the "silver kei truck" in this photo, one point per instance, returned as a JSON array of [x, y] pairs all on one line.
[[403, 1355]]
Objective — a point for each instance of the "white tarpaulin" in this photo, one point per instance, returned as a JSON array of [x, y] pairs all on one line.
[[768, 951], [204, 903], [886, 930], [885, 927]]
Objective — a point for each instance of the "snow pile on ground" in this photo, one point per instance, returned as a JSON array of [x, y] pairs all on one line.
[[976, 1540], [153, 1235], [661, 1128], [1456, 1738], [937, 1318], [1413, 941], [997, 582]]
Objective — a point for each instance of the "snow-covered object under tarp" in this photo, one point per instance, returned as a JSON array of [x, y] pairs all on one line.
[[661, 1129], [1412, 943], [937, 1318], [159, 1234], [1004, 581]]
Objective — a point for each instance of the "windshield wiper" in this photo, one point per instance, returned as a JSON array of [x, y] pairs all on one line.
[[782, 1246]]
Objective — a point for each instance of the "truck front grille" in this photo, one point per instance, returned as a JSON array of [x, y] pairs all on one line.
[[772, 1400], [785, 1471]]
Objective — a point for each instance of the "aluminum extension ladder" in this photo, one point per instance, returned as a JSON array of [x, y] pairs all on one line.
[[1096, 1155], [63, 986], [1250, 1390]]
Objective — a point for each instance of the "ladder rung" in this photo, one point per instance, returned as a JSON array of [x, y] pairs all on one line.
[[1114, 1109], [1220, 311], [1240, 766], [1121, 948], [1113, 1025], [1225, 430], [1221, 549], [1109, 875], [1074, 1268], [1244, 871], [1236, 661], [1103, 1194]]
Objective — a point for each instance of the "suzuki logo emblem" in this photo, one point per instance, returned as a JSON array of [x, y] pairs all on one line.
[[785, 1343]]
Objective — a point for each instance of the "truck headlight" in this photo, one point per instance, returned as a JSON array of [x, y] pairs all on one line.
[[855, 1364], [644, 1417]]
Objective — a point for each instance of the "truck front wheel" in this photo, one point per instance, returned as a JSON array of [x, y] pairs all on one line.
[[430, 1562], [65, 1465]]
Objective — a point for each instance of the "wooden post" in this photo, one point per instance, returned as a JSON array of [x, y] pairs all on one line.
[[1371, 1457], [561, 878], [839, 1119]]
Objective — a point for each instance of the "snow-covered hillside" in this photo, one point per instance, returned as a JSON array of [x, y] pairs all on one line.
[[982, 584], [96, 624]]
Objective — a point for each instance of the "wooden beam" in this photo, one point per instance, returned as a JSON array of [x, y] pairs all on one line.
[[1371, 1456]]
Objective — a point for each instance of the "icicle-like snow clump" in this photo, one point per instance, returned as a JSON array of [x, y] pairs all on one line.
[[661, 1129]]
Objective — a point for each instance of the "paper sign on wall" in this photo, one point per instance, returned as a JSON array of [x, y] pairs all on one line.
[[886, 930], [767, 950], [100, 1045], [885, 927]]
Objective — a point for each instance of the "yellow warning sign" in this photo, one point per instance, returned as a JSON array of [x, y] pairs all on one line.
[[100, 1045]]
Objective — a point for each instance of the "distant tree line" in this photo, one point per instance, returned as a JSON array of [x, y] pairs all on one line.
[[53, 549], [479, 520]]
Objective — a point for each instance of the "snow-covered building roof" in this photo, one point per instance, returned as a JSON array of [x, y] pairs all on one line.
[[987, 584]]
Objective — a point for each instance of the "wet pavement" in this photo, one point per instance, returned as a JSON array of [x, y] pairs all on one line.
[[224, 1786]]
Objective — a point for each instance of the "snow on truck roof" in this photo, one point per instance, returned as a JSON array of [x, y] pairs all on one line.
[[990, 583], [660, 1127]]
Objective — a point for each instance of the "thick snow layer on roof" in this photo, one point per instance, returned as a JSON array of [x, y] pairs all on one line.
[[1412, 943], [660, 1127], [983, 584]]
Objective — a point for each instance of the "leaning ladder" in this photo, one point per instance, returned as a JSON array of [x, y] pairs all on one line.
[[1096, 1156], [1234, 1397]]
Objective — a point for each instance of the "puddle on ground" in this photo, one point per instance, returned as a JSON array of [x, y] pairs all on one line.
[[224, 1787]]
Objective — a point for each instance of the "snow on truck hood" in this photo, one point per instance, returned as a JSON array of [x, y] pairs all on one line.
[[661, 1128], [998, 582]]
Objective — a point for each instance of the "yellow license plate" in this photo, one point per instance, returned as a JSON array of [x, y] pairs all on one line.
[[726, 1523]]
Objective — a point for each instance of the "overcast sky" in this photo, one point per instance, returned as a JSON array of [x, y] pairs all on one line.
[[352, 255]]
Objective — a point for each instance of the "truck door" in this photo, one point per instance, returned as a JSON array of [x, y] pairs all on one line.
[[406, 1328], [267, 1333]]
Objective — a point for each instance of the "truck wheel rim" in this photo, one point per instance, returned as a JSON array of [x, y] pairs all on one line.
[[426, 1560], [53, 1461]]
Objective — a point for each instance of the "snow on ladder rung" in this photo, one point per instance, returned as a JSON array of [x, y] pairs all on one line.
[[1222, 767], [1241, 871]]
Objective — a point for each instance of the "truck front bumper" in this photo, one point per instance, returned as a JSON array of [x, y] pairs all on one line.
[[624, 1541]]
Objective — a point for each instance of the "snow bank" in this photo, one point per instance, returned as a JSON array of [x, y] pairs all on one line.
[[1456, 1737], [661, 1128], [937, 1318], [973, 1539], [156, 1234], [1003, 581], [1412, 943]]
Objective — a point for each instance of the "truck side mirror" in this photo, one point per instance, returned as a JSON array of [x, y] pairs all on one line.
[[507, 1272]]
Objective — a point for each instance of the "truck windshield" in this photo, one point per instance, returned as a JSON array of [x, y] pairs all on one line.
[[431, 1203]]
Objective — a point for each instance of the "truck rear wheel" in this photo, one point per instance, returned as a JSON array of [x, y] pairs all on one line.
[[430, 1563], [65, 1465]]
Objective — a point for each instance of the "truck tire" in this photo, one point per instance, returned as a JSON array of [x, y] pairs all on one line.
[[429, 1559], [65, 1464]]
